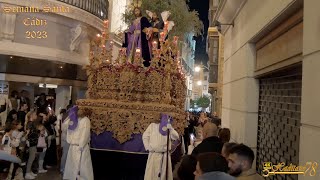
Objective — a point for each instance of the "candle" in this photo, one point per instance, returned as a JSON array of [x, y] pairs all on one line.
[[161, 36], [166, 25], [111, 44], [98, 35], [106, 23], [158, 53], [138, 51], [154, 44]]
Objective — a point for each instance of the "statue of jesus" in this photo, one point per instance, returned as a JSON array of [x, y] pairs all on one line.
[[137, 38]]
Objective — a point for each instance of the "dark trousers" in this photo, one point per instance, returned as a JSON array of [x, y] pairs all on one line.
[[50, 158]]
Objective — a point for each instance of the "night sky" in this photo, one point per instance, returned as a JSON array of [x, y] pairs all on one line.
[[202, 7]]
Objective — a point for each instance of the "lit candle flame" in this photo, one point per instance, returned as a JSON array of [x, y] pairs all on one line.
[[138, 50], [98, 35], [154, 44]]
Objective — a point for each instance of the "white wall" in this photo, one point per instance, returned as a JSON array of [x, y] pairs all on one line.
[[240, 88], [117, 8], [310, 129], [56, 46]]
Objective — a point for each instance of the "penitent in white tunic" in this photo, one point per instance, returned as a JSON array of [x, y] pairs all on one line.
[[79, 139], [156, 144]]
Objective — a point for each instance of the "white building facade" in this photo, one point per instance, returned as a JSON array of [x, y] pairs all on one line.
[[187, 50], [47, 42], [270, 79]]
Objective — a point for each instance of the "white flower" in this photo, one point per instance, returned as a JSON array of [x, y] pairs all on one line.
[[165, 15]]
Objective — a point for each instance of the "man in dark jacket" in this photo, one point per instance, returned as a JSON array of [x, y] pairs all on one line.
[[211, 142]]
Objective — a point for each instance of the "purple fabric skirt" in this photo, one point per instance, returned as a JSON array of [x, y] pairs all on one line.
[[105, 141]]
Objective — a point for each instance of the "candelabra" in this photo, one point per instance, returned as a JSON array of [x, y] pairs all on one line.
[[165, 55]]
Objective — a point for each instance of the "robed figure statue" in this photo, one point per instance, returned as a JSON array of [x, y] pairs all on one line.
[[158, 26], [136, 37]]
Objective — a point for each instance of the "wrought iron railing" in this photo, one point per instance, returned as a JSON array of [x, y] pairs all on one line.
[[98, 8]]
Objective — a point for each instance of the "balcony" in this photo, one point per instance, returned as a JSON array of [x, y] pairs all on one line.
[[98, 8]]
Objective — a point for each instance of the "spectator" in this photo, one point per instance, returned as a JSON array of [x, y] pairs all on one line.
[[7, 140], [14, 100], [33, 136], [15, 142], [42, 104], [13, 115], [217, 122], [41, 146], [22, 113], [203, 119], [50, 158], [187, 167], [25, 99], [240, 163], [224, 135], [210, 143], [226, 149], [212, 166], [5, 107]]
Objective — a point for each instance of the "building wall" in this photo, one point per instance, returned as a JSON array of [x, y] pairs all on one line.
[[116, 9], [68, 34], [205, 83], [187, 49], [240, 88], [67, 41], [310, 124]]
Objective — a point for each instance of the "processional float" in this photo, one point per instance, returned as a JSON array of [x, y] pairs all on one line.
[[124, 96]]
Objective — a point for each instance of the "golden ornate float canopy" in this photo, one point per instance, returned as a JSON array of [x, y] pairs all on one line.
[[125, 97]]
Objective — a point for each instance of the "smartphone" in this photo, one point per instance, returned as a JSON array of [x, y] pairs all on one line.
[[192, 137], [6, 141]]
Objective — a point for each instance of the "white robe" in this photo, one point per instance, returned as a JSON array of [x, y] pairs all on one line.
[[156, 144], [79, 139]]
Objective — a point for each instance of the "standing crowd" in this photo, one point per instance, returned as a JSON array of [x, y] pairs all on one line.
[[32, 135], [211, 155]]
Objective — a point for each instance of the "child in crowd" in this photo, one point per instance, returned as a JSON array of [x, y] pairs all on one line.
[[7, 140], [42, 146], [15, 142], [32, 141]]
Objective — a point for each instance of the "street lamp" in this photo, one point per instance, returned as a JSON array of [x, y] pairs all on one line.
[[199, 83], [197, 69]]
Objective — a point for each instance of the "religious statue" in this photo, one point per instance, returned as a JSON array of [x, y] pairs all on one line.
[[136, 38], [157, 27]]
